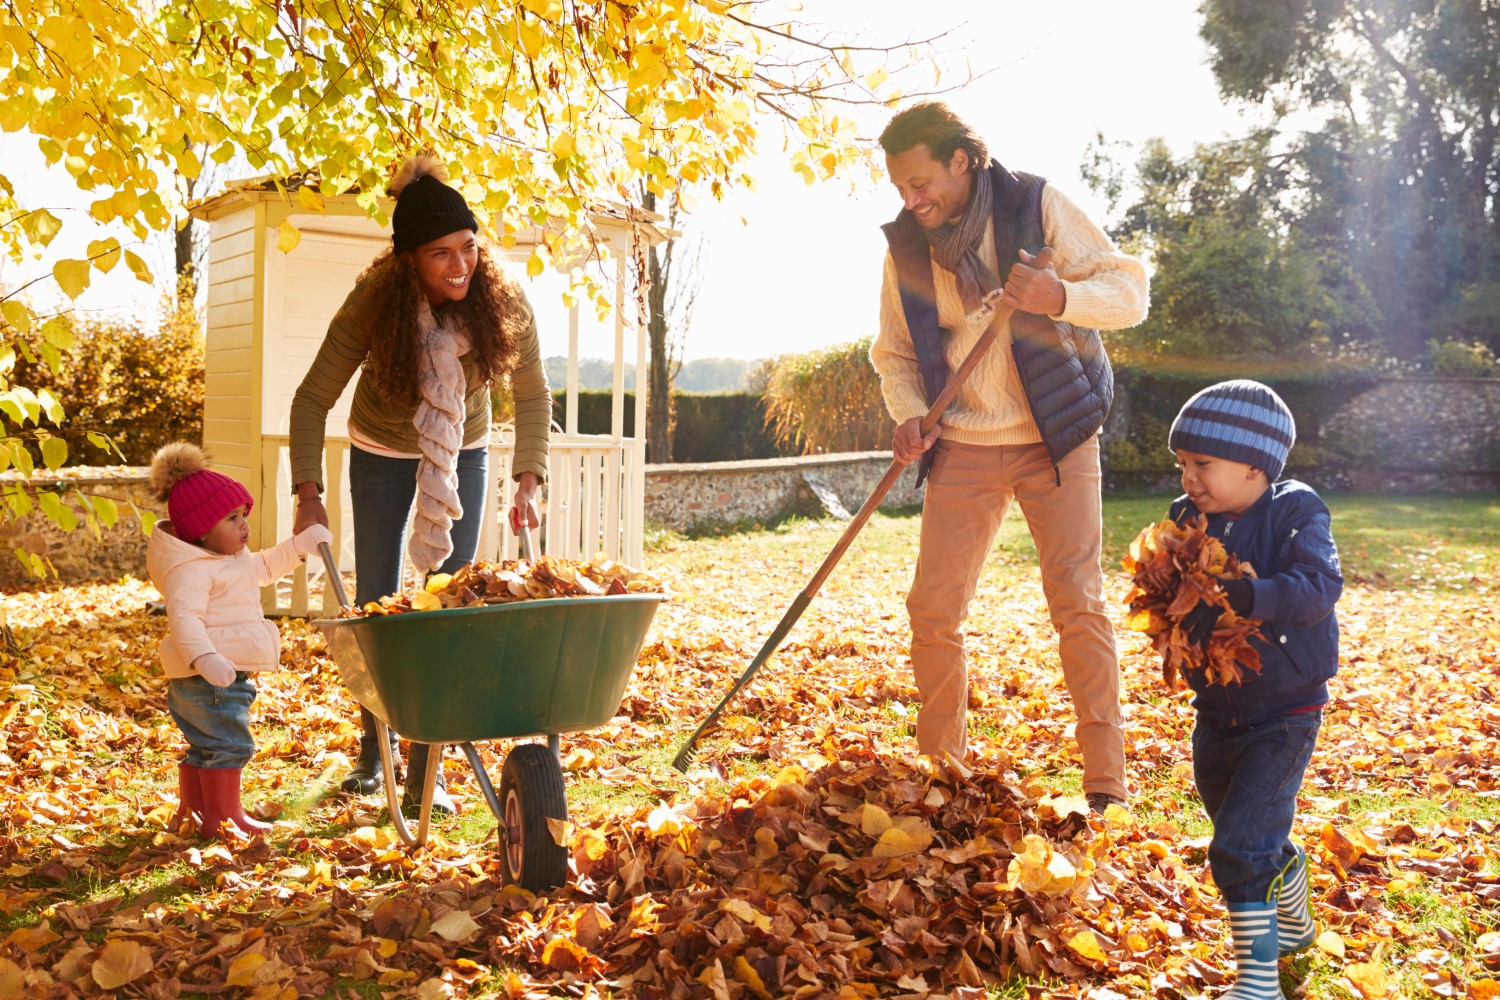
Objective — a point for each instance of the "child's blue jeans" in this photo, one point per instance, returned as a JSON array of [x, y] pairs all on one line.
[[1248, 778], [381, 491], [214, 720]]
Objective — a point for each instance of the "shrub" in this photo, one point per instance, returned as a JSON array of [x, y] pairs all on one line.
[[711, 426], [1459, 359], [827, 401], [138, 383]]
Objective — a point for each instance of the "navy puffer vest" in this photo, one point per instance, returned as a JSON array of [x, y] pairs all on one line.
[[1064, 369]]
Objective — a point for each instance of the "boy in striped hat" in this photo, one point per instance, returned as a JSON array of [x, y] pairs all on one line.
[[1252, 742]]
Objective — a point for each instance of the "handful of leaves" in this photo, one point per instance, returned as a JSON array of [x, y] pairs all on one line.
[[483, 583], [1175, 567]]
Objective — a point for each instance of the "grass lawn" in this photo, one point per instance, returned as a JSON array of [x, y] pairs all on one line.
[[761, 872]]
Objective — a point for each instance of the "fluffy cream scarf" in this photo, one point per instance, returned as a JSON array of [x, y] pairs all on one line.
[[440, 423]]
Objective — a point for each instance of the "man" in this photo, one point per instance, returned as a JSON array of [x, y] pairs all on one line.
[[1025, 424]]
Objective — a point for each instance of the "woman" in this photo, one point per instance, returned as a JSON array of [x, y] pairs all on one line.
[[434, 322]]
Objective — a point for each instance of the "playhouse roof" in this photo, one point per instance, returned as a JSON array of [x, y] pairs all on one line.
[[609, 216]]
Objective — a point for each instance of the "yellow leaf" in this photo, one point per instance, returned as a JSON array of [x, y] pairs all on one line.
[[745, 973], [534, 265], [1332, 943], [72, 276], [1086, 945], [456, 926], [1369, 977], [33, 938], [12, 979], [745, 912], [287, 236], [437, 581], [564, 145], [1479, 989], [423, 601], [874, 820], [664, 821], [138, 267], [894, 843], [120, 962], [243, 969], [309, 199], [1035, 868]]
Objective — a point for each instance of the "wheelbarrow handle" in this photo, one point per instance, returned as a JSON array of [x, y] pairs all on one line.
[[332, 567]]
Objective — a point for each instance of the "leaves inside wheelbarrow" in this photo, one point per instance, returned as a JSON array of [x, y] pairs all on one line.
[[484, 583], [1176, 566]]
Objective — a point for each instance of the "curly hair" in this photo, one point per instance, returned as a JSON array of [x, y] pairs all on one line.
[[934, 125], [495, 313]]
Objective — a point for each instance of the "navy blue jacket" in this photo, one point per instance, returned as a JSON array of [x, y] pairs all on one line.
[[1286, 536]]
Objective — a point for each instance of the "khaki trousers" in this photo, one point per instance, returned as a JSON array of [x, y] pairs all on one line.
[[968, 493]]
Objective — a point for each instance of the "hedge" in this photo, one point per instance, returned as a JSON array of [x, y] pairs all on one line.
[[710, 427]]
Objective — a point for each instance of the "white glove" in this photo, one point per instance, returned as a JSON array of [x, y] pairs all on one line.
[[310, 538], [215, 669]]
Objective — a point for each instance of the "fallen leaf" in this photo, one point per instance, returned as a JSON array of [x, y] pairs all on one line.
[[120, 962]]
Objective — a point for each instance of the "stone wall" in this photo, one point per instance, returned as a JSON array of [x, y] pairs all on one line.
[[1418, 436], [78, 555], [719, 494], [1403, 435]]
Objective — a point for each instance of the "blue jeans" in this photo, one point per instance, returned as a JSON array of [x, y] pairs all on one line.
[[381, 491], [215, 721], [1248, 778]]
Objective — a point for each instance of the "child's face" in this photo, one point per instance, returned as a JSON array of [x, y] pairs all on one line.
[[231, 534], [1219, 486]]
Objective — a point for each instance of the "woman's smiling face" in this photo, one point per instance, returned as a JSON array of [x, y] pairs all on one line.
[[446, 265]]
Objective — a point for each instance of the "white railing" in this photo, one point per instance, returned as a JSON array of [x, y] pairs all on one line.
[[592, 505]]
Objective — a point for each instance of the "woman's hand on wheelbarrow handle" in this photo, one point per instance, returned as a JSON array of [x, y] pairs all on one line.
[[525, 503]]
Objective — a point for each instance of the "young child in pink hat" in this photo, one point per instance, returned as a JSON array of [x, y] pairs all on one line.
[[217, 634]]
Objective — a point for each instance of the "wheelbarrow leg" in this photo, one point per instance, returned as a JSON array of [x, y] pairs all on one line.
[[393, 798], [554, 743], [485, 787]]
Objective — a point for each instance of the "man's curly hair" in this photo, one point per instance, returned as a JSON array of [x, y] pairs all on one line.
[[494, 312]]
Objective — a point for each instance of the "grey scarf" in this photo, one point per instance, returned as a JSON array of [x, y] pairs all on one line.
[[955, 247]]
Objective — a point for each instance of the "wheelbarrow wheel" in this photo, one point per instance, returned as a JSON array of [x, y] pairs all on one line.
[[531, 793]]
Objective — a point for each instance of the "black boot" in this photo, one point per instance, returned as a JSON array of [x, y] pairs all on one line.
[[366, 778], [416, 773]]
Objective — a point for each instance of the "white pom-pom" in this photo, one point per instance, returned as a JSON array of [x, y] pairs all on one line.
[[415, 168]]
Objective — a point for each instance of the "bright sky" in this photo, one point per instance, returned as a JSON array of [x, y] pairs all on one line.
[[803, 270], [789, 267]]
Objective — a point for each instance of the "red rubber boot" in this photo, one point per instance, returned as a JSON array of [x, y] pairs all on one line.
[[189, 798], [221, 802]]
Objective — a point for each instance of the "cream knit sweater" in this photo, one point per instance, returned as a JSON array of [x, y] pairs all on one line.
[[1106, 290]]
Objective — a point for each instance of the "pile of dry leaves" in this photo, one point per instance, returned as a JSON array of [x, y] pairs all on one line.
[[1175, 567], [482, 583]]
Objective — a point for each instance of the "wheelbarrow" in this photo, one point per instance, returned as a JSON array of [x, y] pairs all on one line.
[[504, 671]]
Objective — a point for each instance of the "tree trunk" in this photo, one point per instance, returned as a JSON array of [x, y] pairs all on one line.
[[659, 406]]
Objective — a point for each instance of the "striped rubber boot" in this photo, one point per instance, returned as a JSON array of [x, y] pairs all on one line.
[[1295, 929], [1252, 926]]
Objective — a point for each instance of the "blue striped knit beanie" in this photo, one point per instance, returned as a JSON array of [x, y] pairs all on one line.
[[1240, 421]]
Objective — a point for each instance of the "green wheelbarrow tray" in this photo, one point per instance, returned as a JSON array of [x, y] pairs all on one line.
[[496, 671]]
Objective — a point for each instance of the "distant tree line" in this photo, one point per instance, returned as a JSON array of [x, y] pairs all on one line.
[[1372, 232], [700, 375]]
